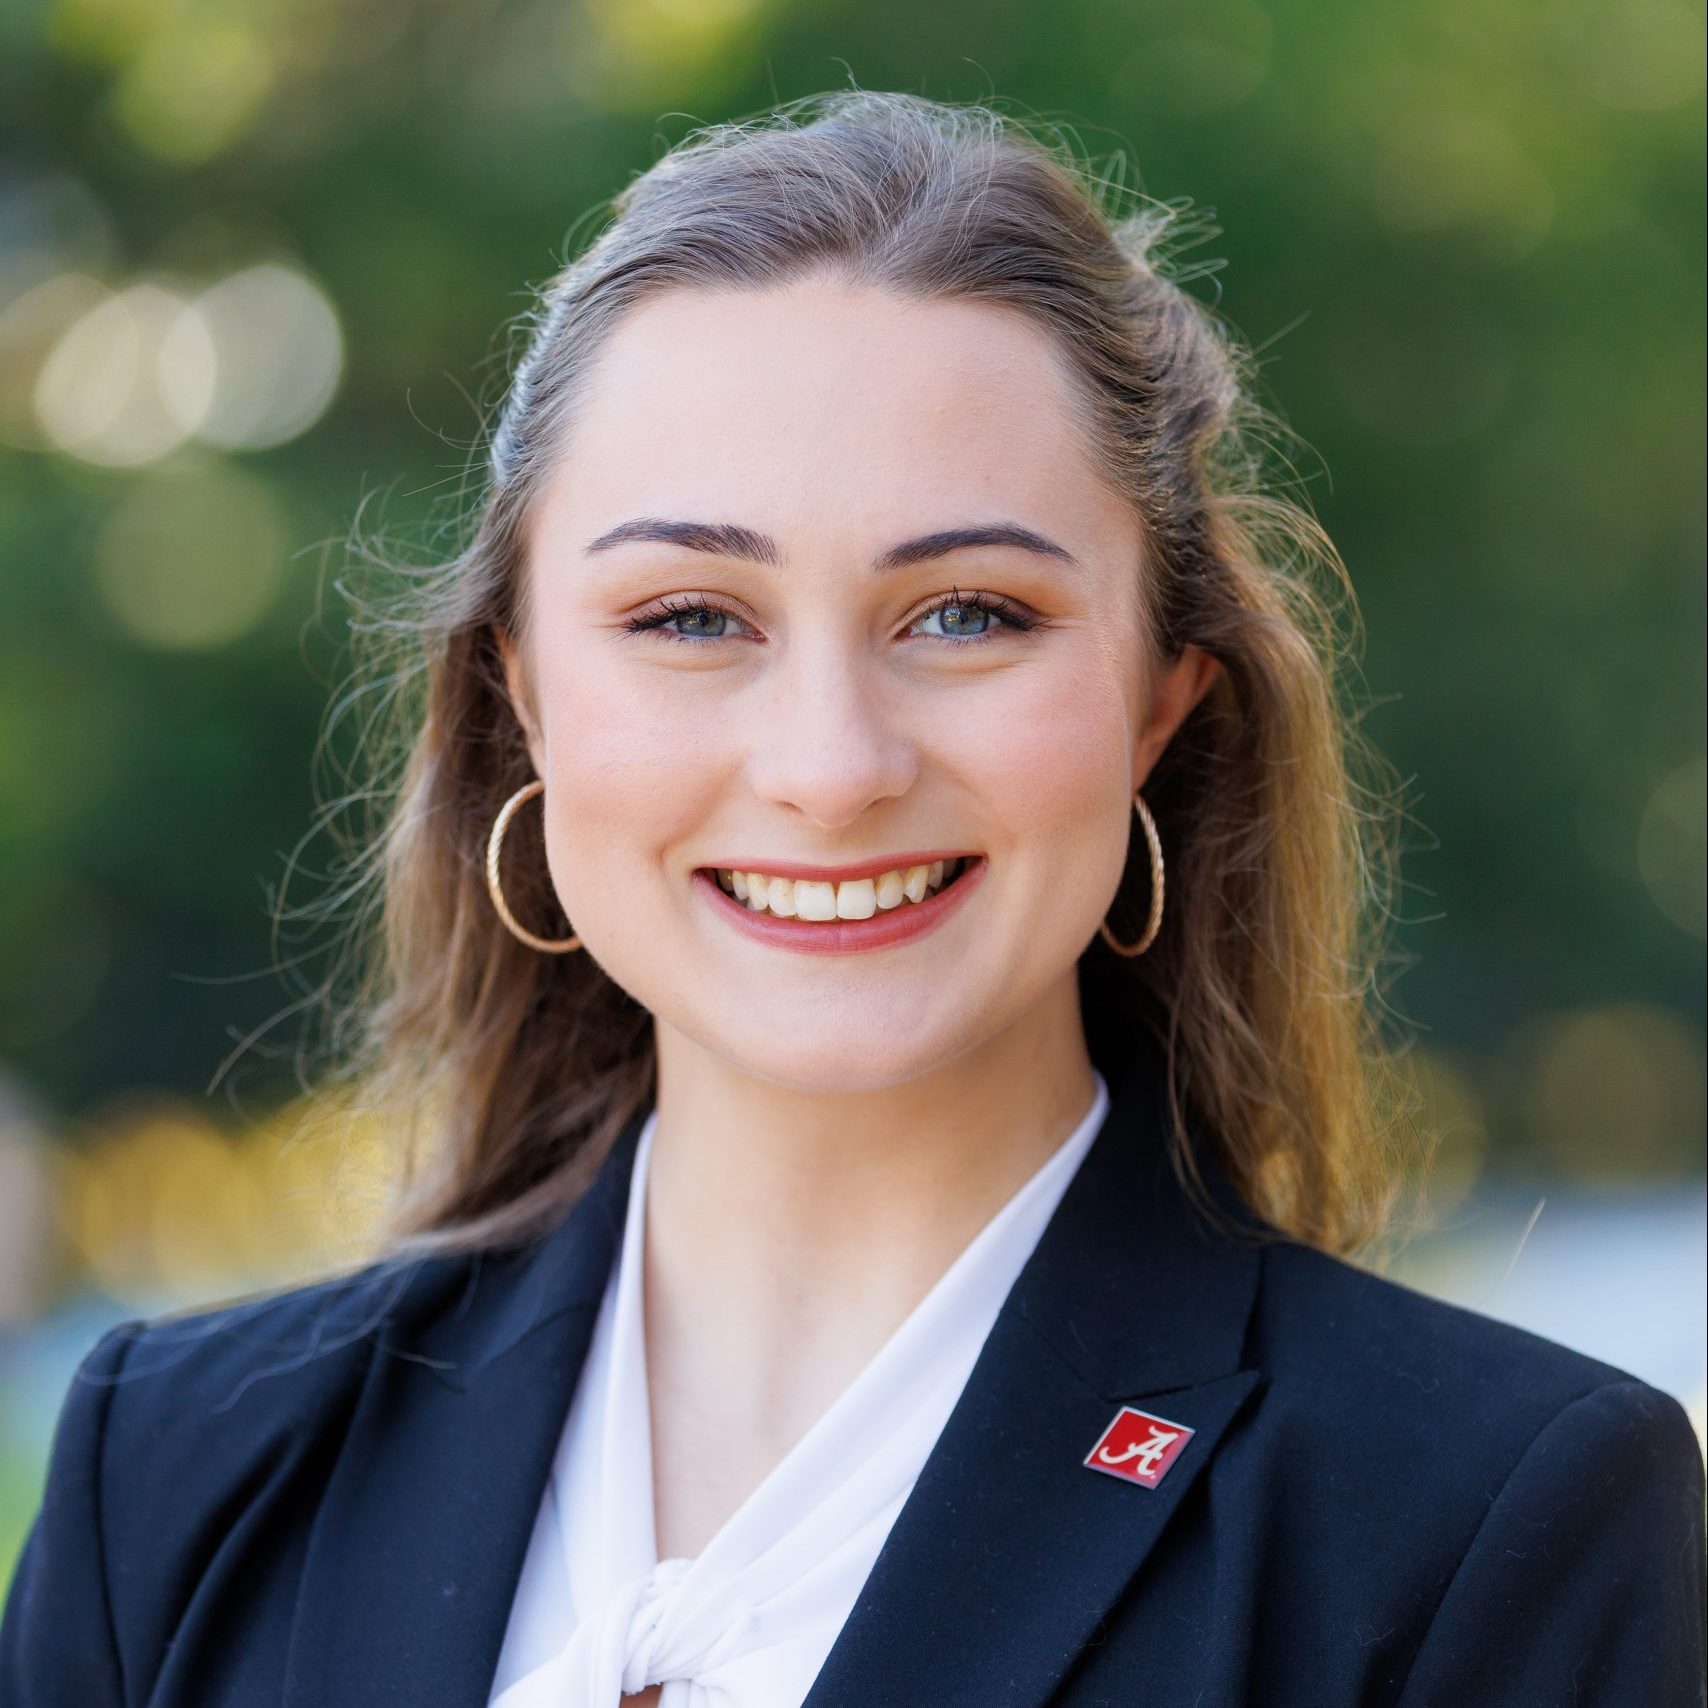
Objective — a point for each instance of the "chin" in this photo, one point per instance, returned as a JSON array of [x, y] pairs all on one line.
[[851, 1063]]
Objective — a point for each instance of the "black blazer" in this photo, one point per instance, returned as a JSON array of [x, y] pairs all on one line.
[[324, 1496]]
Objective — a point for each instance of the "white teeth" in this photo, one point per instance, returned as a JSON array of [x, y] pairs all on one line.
[[856, 898], [815, 901]]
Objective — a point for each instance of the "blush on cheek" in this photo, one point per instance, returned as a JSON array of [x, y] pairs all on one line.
[[631, 776], [1060, 767], [1066, 741]]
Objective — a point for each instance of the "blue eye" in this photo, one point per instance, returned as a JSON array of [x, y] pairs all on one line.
[[694, 607], [705, 621], [959, 607]]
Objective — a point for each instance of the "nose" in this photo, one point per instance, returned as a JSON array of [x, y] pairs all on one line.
[[831, 739]]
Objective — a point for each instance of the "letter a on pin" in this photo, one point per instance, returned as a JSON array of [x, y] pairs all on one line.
[[1138, 1448]]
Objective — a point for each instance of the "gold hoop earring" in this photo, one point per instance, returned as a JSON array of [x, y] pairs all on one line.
[[1154, 924], [495, 889]]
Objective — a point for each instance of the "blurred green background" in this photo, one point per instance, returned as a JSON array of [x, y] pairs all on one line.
[[256, 264]]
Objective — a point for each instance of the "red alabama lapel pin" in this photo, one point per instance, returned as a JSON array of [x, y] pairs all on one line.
[[1138, 1448]]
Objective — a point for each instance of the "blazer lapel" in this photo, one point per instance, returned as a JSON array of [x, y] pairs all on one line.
[[1009, 1550], [418, 1546]]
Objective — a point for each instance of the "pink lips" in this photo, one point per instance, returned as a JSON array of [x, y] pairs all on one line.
[[846, 936]]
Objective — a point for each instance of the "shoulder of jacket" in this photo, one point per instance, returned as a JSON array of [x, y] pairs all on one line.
[[1403, 1417], [1343, 1340], [174, 1427], [279, 1355]]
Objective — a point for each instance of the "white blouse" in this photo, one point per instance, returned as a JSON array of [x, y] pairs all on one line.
[[748, 1622]]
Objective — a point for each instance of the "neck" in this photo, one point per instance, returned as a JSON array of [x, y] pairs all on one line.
[[790, 1232]]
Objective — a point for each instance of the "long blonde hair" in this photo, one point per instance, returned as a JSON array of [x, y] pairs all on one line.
[[507, 1073]]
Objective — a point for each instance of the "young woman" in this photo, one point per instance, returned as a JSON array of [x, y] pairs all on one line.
[[878, 896]]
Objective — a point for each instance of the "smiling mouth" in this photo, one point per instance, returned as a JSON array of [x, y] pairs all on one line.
[[853, 898]]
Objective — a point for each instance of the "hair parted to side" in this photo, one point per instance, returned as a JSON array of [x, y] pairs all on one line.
[[507, 1074]]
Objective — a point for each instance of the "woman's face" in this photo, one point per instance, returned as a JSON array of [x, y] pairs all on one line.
[[755, 644]]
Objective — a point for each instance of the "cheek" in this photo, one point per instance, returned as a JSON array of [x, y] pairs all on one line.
[[629, 766], [1057, 762]]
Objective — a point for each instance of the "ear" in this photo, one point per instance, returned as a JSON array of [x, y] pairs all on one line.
[[1179, 688], [517, 687]]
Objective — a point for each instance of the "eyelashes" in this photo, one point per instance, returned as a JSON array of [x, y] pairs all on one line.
[[668, 609], [1010, 617]]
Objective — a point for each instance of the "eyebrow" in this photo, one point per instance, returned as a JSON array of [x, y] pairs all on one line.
[[727, 539]]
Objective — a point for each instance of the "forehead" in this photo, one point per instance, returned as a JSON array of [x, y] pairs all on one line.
[[821, 400]]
